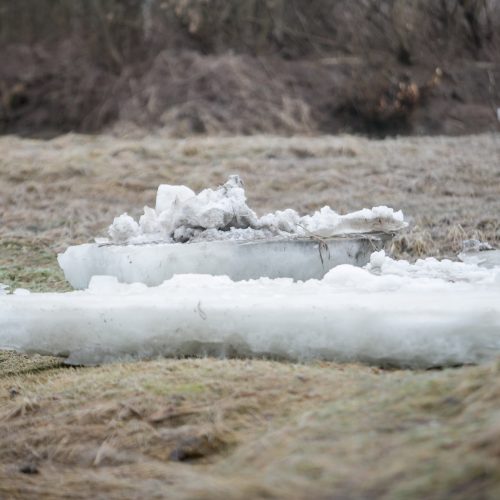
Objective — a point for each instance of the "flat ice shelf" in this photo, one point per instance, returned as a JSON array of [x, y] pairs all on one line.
[[153, 263], [391, 312]]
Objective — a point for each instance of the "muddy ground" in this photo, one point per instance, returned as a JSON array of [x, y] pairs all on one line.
[[244, 428]]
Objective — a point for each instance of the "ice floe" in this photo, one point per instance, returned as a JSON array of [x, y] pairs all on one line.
[[431, 313], [153, 263], [215, 232], [193, 277]]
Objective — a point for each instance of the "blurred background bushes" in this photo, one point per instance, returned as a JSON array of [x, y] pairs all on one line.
[[276, 66]]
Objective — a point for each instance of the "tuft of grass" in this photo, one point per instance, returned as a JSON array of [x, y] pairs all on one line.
[[12, 363]]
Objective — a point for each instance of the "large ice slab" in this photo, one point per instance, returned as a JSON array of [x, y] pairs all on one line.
[[153, 263], [215, 232], [428, 314]]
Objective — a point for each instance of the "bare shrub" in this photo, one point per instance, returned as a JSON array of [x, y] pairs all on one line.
[[255, 66]]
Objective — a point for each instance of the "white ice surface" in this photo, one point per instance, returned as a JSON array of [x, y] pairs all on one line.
[[479, 252], [168, 195], [487, 259], [445, 269], [428, 314], [153, 263], [123, 229]]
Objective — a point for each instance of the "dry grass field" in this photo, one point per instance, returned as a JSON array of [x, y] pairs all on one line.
[[249, 429], [218, 428], [67, 190]]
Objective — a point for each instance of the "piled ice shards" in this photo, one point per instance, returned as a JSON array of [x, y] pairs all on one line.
[[215, 232], [182, 216]]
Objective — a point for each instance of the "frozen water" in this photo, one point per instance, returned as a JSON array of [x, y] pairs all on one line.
[[428, 268], [426, 314], [326, 222], [168, 196], [479, 252], [123, 229], [215, 232], [476, 246], [221, 214], [152, 264]]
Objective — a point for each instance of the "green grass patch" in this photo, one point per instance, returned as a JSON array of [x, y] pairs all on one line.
[[32, 265]]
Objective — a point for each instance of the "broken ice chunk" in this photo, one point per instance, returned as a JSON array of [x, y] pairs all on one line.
[[123, 228], [181, 216], [149, 222], [431, 268], [480, 253], [153, 263], [282, 220], [103, 284], [167, 195], [326, 222], [222, 208], [377, 259], [476, 246], [433, 313]]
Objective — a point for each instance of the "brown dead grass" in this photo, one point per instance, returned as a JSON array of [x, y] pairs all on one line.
[[249, 429], [68, 190]]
